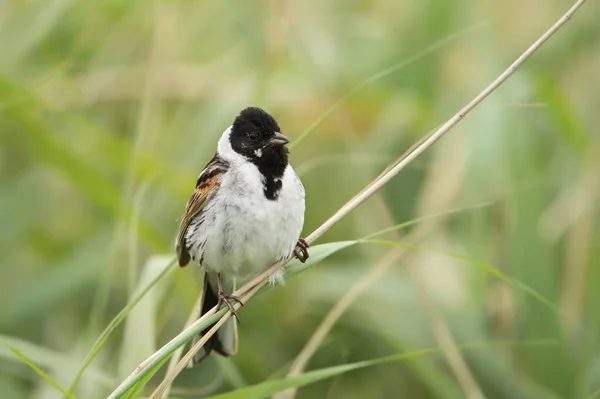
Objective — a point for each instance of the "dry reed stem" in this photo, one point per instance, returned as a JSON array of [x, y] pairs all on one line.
[[446, 172], [185, 360], [439, 133], [334, 315], [443, 335], [432, 204], [379, 182], [579, 242], [177, 355]]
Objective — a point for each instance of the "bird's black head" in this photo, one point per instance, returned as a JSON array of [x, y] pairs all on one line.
[[256, 136]]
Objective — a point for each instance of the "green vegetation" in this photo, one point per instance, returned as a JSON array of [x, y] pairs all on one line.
[[109, 109]]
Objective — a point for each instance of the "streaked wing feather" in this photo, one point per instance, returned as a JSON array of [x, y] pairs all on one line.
[[206, 185]]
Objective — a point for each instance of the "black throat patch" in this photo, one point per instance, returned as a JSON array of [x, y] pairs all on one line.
[[272, 164]]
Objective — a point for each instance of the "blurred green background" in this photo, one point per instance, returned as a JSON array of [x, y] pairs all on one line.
[[110, 109]]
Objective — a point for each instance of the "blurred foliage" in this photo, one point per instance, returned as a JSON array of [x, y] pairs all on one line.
[[109, 109]]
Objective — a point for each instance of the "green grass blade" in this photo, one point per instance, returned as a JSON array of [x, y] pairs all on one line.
[[40, 139], [39, 371], [317, 254], [426, 218], [115, 323], [268, 388], [49, 359], [140, 385], [28, 26], [563, 113], [138, 339], [480, 265]]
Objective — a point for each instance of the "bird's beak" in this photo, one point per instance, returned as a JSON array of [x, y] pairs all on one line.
[[279, 139]]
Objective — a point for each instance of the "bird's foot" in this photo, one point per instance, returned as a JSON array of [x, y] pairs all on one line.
[[228, 300], [301, 250]]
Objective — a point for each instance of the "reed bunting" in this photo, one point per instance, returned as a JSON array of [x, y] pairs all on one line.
[[245, 214]]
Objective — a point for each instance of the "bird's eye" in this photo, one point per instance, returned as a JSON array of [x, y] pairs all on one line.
[[253, 136]]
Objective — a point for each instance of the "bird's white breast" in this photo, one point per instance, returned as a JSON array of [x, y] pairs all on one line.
[[243, 232]]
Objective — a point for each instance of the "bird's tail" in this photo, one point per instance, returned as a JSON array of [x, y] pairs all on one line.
[[225, 341]]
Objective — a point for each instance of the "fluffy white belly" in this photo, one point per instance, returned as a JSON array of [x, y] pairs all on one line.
[[240, 232]]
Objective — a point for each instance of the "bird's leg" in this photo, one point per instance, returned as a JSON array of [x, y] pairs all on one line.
[[227, 299], [301, 250]]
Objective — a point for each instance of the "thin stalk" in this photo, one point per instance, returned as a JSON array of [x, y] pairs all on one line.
[[365, 194], [166, 382]]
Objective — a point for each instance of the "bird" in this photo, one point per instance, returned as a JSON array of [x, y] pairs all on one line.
[[245, 213]]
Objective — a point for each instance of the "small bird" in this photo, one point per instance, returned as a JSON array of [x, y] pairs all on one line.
[[245, 214]]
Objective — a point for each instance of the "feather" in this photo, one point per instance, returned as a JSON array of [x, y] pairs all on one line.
[[206, 186]]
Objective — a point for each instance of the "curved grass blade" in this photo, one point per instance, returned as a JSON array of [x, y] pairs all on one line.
[[39, 139], [317, 254], [268, 388], [118, 319], [140, 385], [49, 359], [480, 265], [39, 371], [425, 218]]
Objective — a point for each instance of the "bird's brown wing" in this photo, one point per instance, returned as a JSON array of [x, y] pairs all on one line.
[[206, 186]]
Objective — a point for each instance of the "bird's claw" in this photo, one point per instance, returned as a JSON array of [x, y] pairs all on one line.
[[301, 250], [227, 299]]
